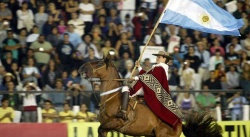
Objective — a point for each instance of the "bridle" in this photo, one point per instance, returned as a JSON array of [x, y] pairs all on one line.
[[94, 70]]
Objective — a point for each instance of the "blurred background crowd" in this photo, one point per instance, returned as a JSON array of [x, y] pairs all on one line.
[[44, 42]]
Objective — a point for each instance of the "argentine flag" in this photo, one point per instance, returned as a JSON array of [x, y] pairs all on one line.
[[202, 15]]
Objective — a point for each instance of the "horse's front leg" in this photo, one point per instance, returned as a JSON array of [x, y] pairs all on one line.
[[102, 132]]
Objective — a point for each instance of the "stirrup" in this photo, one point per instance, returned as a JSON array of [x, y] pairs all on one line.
[[122, 114]]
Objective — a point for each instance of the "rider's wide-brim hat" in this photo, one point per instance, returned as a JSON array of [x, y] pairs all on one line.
[[164, 54]]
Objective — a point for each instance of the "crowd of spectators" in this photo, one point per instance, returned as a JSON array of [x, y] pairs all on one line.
[[44, 42]]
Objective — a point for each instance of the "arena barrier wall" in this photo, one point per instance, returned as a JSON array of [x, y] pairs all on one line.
[[33, 130], [230, 129], [89, 129]]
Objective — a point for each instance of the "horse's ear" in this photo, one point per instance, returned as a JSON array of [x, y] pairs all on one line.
[[107, 58]]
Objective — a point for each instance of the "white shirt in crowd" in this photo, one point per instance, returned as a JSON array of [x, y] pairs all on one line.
[[86, 7], [29, 99]]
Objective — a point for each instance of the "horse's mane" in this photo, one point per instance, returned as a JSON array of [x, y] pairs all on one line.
[[201, 124]]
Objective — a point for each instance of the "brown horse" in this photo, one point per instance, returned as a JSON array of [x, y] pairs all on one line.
[[141, 120]]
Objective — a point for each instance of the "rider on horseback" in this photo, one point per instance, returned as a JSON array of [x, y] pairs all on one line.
[[153, 93]]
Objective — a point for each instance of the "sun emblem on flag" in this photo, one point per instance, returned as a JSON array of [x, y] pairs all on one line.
[[205, 19]]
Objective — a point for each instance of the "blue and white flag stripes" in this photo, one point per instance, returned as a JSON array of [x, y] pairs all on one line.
[[202, 15]]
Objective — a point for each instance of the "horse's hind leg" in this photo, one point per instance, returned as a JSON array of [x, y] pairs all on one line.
[[102, 132]]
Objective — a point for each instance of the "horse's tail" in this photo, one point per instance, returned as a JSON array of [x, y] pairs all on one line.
[[201, 125]]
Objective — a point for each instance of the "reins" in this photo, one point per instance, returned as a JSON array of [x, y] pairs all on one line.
[[103, 80]]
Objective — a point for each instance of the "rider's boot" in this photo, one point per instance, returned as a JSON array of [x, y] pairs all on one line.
[[123, 112]]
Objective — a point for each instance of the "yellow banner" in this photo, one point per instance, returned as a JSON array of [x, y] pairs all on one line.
[[89, 129]]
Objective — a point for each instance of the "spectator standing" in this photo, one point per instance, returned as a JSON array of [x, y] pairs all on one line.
[[245, 84], [64, 52], [188, 43], [237, 109], [142, 25], [13, 98], [216, 59], [55, 13], [113, 17], [217, 46], [5, 12], [232, 77], [98, 4], [32, 37], [6, 112], [47, 27], [178, 57], [77, 98], [232, 58], [205, 100], [187, 75], [91, 57], [8, 77], [66, 116], [95, 98], [126, 7], [151, 6], [12, 44], [62, 27], [195, 62], [127, 23], [156, 38], [25, 17], [113, 33], [129, 64], [22, 39], [237, 48], [29, 54], [48, 113], [2, 73], [8, 61], [219, 71], [30, 72], [107, 48], [71, 6], [246, 43], [42, 49], [204, 56], [121, 61], [125, 45], [54, 38], [13, 5], [186, 102], [74, 38], [102, 23], [51, 74], [15, 71], [212, 82], [4, 26], [84, 47], [74, 77], [58, 98], [78, 23], [87, 10], [41, 17], [30, 102], [110, 4]]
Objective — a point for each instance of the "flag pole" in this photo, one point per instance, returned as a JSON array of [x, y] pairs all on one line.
[[148, 40]]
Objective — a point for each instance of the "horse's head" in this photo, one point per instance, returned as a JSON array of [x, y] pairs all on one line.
[[96, 69]]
